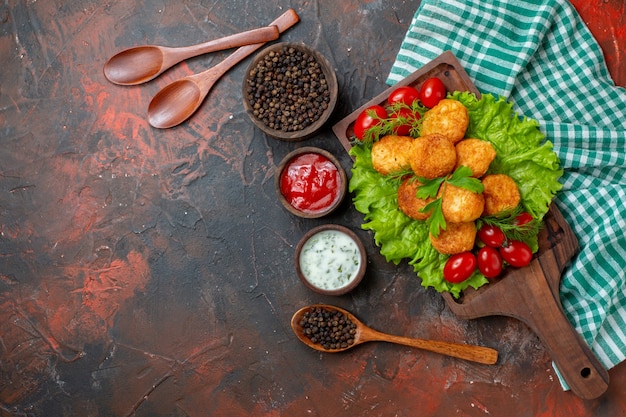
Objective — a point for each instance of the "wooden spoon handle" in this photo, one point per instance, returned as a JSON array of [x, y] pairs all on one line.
[[472, 353], [264, 34], [207, 78]]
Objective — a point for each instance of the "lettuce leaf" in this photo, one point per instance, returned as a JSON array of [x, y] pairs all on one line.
[[522, 153]]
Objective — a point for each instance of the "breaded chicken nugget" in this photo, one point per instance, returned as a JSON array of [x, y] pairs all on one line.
[[500, 192], [457, 238], [475, 154], [432, 156], [459, 205], [409, 203], [449, 118], [391, 154]]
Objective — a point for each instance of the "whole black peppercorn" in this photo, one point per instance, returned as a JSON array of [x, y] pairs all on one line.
[[288, 90], [328, 327]]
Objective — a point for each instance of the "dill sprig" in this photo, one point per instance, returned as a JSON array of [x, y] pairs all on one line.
[[506, 221], [399, 114], [402, 174]]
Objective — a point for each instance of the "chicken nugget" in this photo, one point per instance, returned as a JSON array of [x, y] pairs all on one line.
[[457, 238], [391, 154], [432, 156], [460, 205], [449, 118], [409, 203], [476, 154], [500, 192]]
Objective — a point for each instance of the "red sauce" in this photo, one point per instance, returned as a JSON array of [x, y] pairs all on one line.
[[310, 182]]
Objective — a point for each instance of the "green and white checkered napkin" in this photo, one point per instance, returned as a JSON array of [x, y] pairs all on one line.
[[542, 57]]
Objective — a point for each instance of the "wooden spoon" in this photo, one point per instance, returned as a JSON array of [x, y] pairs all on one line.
[[177, 101], [143, 63], [364, 334]]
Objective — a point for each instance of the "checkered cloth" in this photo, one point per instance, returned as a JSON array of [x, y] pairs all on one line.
[[540, 55]]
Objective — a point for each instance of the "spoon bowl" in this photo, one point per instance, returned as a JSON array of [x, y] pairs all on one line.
[[143, 63], [135, 65], [363, 333], [185, 93]]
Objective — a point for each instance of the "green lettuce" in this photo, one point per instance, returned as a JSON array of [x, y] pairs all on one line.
[[522, 153]]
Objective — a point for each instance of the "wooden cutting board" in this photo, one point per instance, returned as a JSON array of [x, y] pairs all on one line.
[[530, 294]]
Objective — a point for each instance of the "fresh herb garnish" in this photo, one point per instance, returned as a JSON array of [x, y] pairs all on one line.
[[461, 177], [402, 174], [436, 221], [372, 134], [400, 114], [506, 221], [429, 188], [404, 115]]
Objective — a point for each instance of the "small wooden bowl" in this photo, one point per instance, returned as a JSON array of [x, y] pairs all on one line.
[[342, 232], [331, 82], [342, 182]]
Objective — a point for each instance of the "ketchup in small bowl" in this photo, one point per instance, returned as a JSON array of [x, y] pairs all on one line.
[[310, 182]]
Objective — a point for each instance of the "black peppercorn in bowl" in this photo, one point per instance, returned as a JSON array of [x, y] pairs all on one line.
[[289, 91]]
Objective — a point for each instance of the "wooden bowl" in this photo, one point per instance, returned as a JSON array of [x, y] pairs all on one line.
[[321, 207], [322, 276], [313, 128]]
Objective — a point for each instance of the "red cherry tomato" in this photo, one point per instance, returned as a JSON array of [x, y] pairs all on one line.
[[491, 235], [406, 95], [405, 129], [523, 218], [489, 262], [459, 267], [516, 253], [365, 121], [432, 92]]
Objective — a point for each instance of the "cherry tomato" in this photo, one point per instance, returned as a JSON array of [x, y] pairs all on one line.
[[364, 121], [459, 267], [516, 253], [406, 95], [489, 262], [432, 92], [491, 235], [523, 218], [405, 129]]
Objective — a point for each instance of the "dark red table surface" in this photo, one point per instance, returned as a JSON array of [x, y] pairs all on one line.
[[149, 272]]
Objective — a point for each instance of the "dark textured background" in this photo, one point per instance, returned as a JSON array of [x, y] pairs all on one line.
[[150, 272]]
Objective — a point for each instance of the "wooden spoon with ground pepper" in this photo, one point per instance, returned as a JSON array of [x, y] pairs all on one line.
[[310, 320]]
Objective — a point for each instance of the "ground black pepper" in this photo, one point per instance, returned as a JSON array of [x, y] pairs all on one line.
[[330, 328], [287, 90]]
